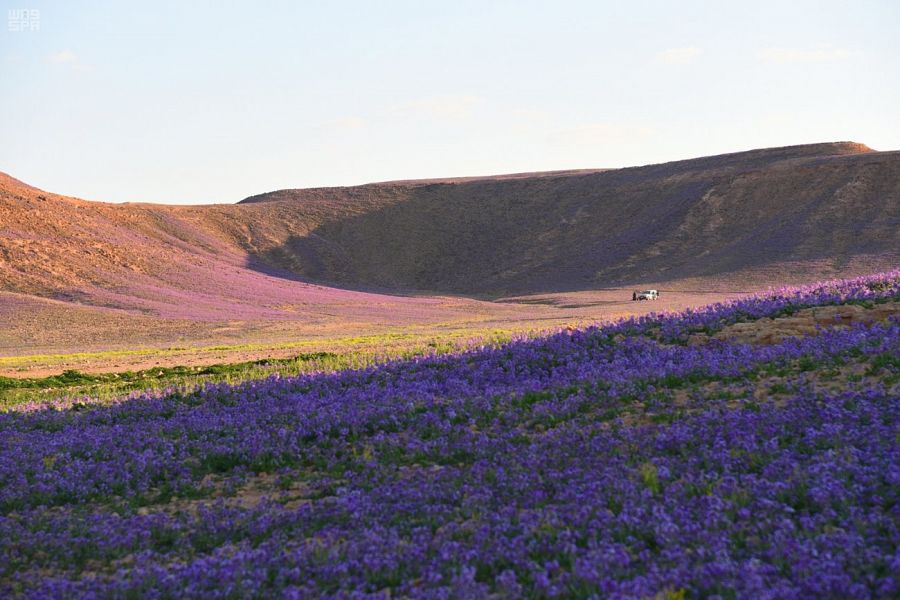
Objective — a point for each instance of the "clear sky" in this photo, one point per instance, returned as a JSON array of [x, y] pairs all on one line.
[[197, 102]]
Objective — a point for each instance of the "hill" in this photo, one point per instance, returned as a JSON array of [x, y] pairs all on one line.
[[826, 208], [827, 205], [413, 252]]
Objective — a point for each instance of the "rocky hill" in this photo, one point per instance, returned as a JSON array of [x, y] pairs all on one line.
[[764, 216], [824, 209]]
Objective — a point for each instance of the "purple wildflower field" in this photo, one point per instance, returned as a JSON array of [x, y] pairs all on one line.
[[616, 461]]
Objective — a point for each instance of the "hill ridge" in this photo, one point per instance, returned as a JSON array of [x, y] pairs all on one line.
[[795, 151]]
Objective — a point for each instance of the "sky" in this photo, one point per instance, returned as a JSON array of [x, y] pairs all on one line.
[[209, 102]]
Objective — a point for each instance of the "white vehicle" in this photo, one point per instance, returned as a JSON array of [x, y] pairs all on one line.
[[648, 295]]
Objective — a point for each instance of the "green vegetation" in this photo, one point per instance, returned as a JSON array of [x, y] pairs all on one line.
[[348, 353], [104, 386]]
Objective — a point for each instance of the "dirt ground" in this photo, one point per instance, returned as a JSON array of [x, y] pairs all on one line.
[[42, 337]]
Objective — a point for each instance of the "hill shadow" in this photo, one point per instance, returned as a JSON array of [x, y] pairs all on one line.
[[703, 218]]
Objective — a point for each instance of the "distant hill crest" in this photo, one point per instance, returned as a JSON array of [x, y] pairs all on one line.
[[783, 152]]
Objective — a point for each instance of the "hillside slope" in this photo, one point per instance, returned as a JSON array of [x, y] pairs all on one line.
[[824, 209], [70, 264]]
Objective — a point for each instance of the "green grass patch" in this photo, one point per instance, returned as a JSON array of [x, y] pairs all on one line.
[[342, 354]]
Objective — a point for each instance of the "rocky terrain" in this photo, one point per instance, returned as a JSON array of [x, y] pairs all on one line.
[[553, 247], [824, 209]]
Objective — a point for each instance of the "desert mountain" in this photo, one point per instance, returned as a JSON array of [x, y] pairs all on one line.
[[821, 210], [825, 206]]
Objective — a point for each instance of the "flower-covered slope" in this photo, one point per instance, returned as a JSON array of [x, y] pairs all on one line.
[[618, 461]]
